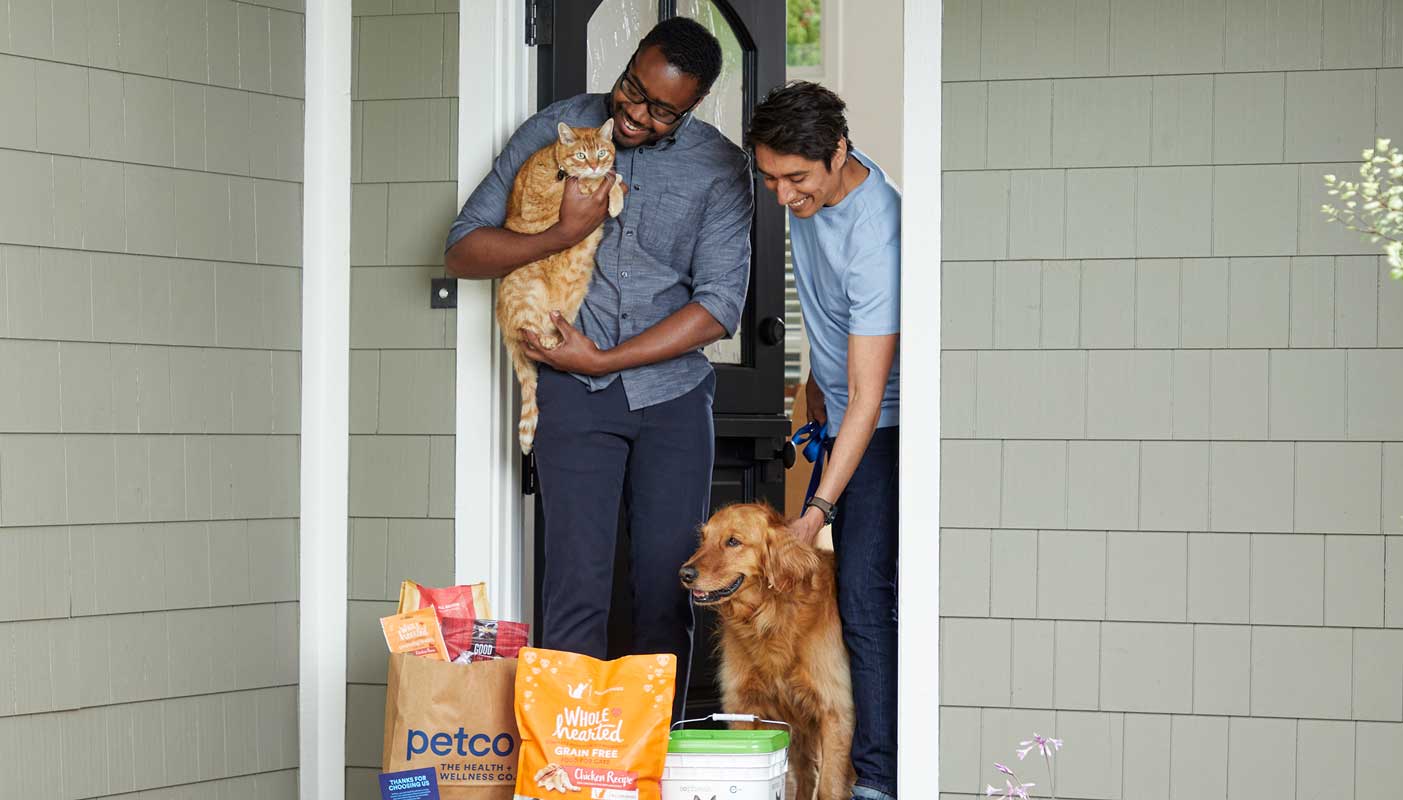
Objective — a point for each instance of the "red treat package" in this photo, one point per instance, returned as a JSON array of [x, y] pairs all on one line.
[[457, 607], [492, 639]]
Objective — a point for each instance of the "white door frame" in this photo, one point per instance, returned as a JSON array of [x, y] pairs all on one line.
[[490, 526], [918, 686], [495, 96]]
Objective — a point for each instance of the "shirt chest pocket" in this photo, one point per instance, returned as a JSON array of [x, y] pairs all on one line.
[[671, 221]]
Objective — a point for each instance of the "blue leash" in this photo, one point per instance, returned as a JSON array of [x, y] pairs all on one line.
[[812, 439]]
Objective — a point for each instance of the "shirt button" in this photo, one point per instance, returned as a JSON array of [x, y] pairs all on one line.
[[625, 315], [623, 274], [628, 234], [637, 188]]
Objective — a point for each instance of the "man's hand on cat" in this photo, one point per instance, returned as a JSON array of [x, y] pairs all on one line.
[[576, 352], [580, 213]]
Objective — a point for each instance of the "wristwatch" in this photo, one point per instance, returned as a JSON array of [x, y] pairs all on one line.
[[829, 511]]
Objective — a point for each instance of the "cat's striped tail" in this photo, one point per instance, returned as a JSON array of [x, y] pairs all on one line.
[[530, 413]]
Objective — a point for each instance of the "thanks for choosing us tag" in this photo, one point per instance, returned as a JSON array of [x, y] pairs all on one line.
[[412, 784]]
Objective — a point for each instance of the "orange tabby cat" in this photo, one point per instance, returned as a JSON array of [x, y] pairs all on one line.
[[557, 282]]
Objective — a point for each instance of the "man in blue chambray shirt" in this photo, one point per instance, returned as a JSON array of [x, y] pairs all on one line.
[[626, 399]]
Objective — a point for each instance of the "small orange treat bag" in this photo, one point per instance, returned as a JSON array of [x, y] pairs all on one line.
[[592, 729], [416, 633]]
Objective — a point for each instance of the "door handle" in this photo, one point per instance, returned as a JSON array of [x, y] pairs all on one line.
[[772, 331], [788, 453], [768, 449]]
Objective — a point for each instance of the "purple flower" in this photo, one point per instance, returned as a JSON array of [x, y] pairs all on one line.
[[1003, 769], [1045, 746]]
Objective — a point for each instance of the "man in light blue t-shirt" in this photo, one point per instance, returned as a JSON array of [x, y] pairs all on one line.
[[845, 224]]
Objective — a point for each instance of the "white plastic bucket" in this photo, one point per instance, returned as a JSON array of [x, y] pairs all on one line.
[[726, 765]]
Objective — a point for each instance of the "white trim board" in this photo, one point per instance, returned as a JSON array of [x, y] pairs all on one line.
[[489, 521], [325, 423], [918, 715]]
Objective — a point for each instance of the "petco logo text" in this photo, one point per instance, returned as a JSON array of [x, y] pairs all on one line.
[[462, 743]]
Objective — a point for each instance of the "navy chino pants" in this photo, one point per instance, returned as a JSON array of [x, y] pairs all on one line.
[[593, 453]]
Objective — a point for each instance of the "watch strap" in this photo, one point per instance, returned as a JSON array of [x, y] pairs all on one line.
[[828, 509]]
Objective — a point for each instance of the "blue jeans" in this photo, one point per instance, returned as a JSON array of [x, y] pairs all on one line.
[[865, 542]]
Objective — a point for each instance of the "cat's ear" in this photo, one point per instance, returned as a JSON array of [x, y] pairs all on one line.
[[567, 134], [606, 131]]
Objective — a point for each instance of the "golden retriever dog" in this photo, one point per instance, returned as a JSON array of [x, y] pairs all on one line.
[[782, 653]]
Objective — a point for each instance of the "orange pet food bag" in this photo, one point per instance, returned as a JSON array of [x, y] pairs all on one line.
[[592, 729]]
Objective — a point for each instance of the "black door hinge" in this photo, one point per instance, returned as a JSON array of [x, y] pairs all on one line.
[[540, 21]]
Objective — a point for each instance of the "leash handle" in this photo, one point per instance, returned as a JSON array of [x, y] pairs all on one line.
[[813, 438], [809, 439]]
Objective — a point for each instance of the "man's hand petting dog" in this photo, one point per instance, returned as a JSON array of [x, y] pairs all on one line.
[[576, 352], [807, 526]]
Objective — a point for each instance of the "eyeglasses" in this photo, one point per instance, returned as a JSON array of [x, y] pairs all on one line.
[[635, 94]]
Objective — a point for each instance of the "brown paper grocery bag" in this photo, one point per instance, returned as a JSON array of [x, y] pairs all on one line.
[[456, 718]]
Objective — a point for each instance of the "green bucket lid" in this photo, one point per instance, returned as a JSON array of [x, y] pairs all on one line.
[[727, 742]]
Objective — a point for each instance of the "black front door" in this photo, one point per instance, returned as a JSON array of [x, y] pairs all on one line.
[[582, 46]]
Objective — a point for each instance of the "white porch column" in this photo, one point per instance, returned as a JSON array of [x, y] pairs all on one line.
[[326, 313], [490, 540], [918, 718]]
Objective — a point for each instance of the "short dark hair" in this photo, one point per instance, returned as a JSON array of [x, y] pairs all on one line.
[[800, 119], [688, 46]]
